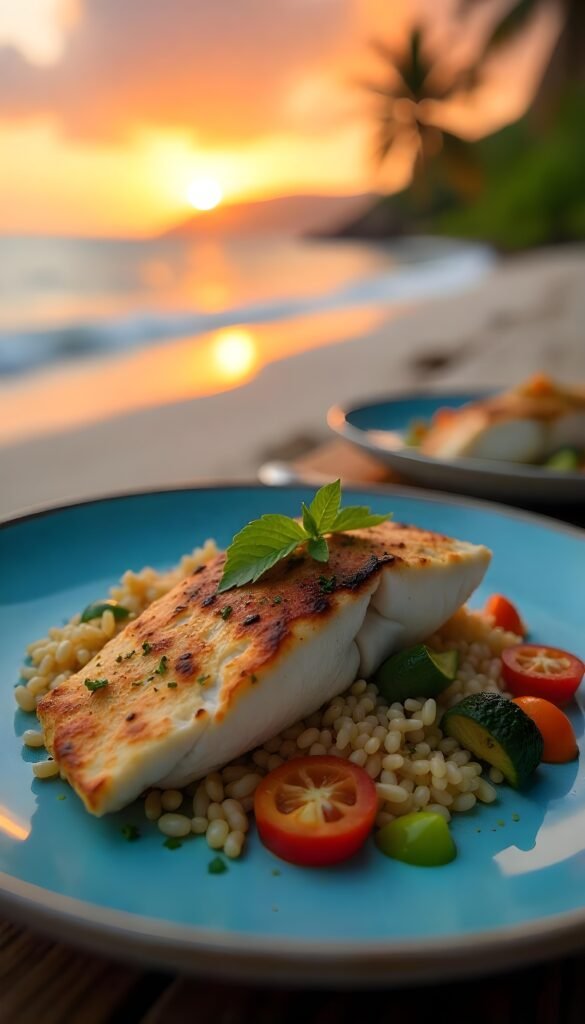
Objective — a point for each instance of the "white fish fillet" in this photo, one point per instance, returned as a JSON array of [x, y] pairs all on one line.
[[231, 680]]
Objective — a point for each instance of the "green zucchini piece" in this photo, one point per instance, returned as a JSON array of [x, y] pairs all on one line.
[[497, 731], [97, 609], [565, 459], [416, 672]]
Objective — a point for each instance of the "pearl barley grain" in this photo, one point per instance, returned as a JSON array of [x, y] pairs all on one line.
[[174, 825], [45, 769], [24, 698], [217, 833], [153, 806], [33, 738], [233, 844], [171, 799]]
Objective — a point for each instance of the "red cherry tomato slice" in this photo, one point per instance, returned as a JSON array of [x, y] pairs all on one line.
[[530, 670], [315, 810], [505, 614]]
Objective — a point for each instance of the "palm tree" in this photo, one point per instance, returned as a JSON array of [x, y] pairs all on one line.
[[567, 62], [413, 80]]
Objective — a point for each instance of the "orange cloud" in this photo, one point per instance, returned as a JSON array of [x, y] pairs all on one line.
[[218, 70]]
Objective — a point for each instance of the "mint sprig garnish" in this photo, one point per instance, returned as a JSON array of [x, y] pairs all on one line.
[[266, 541]]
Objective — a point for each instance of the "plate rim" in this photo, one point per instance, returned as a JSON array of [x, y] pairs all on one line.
[[195, 949], [382, 490], [338, 422]]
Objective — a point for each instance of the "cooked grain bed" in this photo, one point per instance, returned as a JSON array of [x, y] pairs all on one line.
[[400, 746]]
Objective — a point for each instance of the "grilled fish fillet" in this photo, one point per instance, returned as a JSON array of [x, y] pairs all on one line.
[[200, 677]]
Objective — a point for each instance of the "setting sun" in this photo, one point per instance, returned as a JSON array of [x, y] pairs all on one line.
[[204, 193]]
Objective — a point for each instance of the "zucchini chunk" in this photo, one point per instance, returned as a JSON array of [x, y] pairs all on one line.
[[497, 731], [416, 672]]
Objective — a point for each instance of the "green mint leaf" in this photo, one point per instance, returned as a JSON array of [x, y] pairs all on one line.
[[325, 506], [356, 517], [318, 549], [259, 546], [309, 523]]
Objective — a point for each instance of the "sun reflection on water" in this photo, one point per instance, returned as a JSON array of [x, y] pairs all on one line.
[[234, 353]]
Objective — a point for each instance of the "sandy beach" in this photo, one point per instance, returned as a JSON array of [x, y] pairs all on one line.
[[131, 421]]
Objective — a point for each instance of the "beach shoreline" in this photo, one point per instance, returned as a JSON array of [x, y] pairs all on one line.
[[525, 315]]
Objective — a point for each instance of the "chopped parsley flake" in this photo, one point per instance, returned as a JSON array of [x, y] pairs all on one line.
[[501, 822], [130, 833], [172, 686], [226, 612], [327, 584], [95, 684], [217, 866], [129, 655], [275, 872], [146, 648], [139, 682], [202, 679], [119, 659], [172, 843], [277, 599], [61, 796], [162, 666], [515, 817]]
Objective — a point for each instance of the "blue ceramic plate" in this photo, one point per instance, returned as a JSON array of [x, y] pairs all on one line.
[[516, 892], [381, 428]]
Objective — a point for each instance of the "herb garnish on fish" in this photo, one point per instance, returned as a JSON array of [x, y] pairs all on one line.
[[266, 541]]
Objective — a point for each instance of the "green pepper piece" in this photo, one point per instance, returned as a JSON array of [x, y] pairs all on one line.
[[421, 838]]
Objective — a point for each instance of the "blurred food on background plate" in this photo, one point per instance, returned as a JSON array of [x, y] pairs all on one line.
[[539, 422]]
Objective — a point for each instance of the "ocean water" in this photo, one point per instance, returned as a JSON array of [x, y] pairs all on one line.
[[64, 298]]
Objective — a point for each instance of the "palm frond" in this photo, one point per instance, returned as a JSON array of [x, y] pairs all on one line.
[[510, 25]]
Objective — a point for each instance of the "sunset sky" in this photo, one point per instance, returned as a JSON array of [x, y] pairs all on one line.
[[114, 114]]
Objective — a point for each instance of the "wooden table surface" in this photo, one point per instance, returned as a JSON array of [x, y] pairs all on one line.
[[49, 983]]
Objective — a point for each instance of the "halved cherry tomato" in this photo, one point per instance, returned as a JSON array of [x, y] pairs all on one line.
[[560, 744], [505, 614], [315, 810], [533, 671]]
